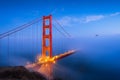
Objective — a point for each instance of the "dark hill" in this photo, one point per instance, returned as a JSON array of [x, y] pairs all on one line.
[[19, 73]]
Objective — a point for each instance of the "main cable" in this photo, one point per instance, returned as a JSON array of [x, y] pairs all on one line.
[[59, 30], [62, 28], [19, 28]]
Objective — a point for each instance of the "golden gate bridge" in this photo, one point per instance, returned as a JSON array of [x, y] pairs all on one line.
[[17, 38]]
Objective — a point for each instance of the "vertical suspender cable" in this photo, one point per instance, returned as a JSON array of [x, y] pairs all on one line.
[[32, 39], [30, 43], [10, 32], [0, 48], [37, 38], [22, 42], [37, 43], [23, 36], [16, 43], [8, 51], [13, 45], [17, 50], [22, 46]]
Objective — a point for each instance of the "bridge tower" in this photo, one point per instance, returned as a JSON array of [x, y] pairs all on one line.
[[47, 36]]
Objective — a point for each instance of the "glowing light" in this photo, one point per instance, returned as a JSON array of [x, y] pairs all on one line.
[[45, 64], [46, 59]]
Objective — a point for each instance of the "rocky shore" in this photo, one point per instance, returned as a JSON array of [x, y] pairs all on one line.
[[19, 73]]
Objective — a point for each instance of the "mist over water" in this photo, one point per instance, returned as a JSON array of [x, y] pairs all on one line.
[[97, 58]]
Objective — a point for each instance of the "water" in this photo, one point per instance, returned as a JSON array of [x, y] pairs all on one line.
[[98, 58]]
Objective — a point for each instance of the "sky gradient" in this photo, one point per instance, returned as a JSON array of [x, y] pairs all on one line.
[[79, 17]]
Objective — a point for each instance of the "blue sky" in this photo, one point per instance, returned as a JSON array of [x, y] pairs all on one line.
[[79, 17]]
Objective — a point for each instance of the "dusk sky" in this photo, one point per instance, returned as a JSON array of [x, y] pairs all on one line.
[[79, 17]]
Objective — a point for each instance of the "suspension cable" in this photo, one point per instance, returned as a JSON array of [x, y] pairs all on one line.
[[32, 37], [59, 31], [37, 37], [62, 28], [0, 48], [14, 43], [8, 50], [19, 28]]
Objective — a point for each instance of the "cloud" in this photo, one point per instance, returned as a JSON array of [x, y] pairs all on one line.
[[67, 20], [115, 14], [71, 20], [93, 18]]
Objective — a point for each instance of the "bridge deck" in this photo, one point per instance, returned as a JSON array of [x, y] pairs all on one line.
[[50, 60], [60, 56]]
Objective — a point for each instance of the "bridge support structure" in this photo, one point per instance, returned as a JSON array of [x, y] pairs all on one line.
[[47, 43], [47, 37]]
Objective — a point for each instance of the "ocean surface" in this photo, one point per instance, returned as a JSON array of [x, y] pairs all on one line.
[[97, 58]]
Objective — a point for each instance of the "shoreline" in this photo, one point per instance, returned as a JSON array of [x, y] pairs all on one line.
[[19, 73]]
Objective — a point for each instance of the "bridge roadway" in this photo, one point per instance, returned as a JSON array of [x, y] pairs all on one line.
[[53, 59], [60, 56], [46, 60]]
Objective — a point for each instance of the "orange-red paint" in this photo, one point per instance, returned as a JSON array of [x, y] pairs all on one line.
[[47, 25]]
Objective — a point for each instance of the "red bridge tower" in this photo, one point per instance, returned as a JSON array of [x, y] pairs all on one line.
[[47, 36]]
